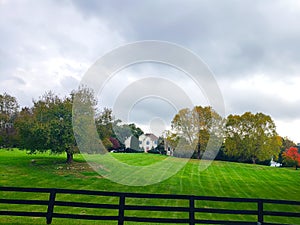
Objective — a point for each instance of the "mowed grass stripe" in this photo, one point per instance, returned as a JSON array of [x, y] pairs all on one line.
[[235, 186]]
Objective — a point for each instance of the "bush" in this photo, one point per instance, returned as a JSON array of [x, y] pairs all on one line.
[[130, 150]]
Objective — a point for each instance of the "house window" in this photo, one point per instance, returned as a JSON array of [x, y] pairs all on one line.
[[147, 143], [140, 142]]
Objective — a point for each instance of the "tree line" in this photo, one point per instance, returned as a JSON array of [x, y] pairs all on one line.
[[245, 138], [47, 125]]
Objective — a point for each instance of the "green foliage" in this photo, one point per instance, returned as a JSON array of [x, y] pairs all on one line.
[[286, 144], [195, 128], [161, 145], [107, 143], [121, 131], [135, 131], [48, 124], [84, 107], [251, 137], [172, 139], [8, 107], [104, 123], [8, 112]]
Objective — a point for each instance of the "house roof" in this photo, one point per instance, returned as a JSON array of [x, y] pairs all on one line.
[[151, 136]]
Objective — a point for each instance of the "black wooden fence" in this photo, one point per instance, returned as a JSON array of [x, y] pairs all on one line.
[[122, 207]]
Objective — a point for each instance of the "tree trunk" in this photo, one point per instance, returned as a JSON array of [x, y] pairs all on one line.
[[198, 151], [69, 158], [253, 160]]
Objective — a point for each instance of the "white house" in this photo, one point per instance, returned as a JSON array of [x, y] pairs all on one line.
[[148, 142]]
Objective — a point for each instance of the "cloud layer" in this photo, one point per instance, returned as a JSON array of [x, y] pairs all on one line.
[[251, 46]]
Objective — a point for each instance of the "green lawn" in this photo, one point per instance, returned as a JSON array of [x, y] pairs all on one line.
[[220, 179]]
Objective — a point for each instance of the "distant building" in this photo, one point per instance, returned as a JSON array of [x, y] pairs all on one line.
[[132, 142], [275, 164], [148, 142]]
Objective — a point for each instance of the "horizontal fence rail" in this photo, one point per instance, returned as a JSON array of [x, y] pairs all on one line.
[[121, 207]]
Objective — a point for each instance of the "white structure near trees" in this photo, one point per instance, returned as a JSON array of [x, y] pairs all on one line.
[[148, 142], [275, 164], [132, 142], [145, 142], [168, 148]]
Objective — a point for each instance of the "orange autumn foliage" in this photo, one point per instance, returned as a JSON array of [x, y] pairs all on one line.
[[292, 156]]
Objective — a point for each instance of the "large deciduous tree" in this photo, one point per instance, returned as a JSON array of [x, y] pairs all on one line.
[[8, 113], [251, 137], [48, 124], [196, 127]]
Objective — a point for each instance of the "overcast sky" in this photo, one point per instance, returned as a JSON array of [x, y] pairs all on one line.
[[252, 47]]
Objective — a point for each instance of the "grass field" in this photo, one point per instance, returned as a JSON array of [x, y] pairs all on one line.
[[220, 179]]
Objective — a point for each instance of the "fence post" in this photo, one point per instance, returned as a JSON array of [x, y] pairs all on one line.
[[121, 209], [50, 206], [260, 215], [192, 210]]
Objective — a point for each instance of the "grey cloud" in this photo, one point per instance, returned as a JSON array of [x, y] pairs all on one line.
[[69, 83], [256, 102], [151, 108], [148, 98], [233, 37]]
